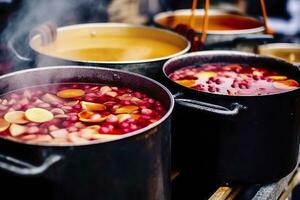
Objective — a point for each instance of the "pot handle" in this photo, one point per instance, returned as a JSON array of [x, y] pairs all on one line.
[[208, 107], [255, 38], [47, 32], [14, 51], [19, 167]]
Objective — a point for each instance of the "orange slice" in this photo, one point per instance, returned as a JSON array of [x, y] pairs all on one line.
[[232, 67], [17, 130], [257, 73], [92, 106], [286, 84], [16, 117], [277, 78], [4, 125], [126, 109], [38, 115], [186, 83], [123, 117], [89, 116], [70, 93], [206, 74]]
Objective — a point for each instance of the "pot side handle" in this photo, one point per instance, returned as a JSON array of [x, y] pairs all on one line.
[[47, 32], [211, 108], [19, 167], [14, 51]]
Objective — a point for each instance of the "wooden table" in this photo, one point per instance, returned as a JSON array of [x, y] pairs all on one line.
[[276, 191]]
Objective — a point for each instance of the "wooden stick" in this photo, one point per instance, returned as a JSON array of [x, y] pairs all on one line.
[[205, 22], [265, 16], [293, 183], [234, 193], [192, 17], [221, 194]]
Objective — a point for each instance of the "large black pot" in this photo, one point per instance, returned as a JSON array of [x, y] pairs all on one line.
[[249, 139], [47, 34], [136, 166]]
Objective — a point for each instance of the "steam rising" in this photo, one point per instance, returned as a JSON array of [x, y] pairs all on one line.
[[62, 12], [35, 12]]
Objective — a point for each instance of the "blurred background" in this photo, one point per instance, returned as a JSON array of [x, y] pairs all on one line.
[[18, 17]]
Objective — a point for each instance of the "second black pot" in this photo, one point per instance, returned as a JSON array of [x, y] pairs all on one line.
[[249, 139]]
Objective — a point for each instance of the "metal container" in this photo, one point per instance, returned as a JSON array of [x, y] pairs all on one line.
[[136, 166], [239, 32], [249, 139], [84, 35], [289, 52]]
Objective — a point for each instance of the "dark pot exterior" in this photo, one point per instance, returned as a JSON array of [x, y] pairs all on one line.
[[134, 167], [259, 144]]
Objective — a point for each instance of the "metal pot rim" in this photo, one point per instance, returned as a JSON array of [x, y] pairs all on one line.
[[120, 25], [216, 13], [280, 45], [130, 134], [225, 53]]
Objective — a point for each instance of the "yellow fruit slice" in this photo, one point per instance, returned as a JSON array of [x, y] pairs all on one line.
[[186, 83], [123, 117], [232, 67], [17, 130], [94, 127], [91, 117], [206, 74], [16, 117], [126, 109], [104, 136], [92, 106], [286, 85], [277, 78], [70, 93], [4, 125], [38, 115]]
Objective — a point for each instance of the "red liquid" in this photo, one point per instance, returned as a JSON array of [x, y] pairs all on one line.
[[75, 113], [233, 79]]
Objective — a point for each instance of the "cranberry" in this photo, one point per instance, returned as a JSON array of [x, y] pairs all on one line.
[[218, 81]]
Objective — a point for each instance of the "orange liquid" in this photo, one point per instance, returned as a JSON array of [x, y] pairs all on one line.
[[222, 22]]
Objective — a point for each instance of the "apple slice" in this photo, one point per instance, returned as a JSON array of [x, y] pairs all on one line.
[[89, 116], [38, 115], [76, 139], [4, 125], [50, 98], [286, 84], [88, 133], [17, 130], [60, 133], [126, 109], [92, 106], [16, 117], [105, 89], [186, 83], [70, 93]]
